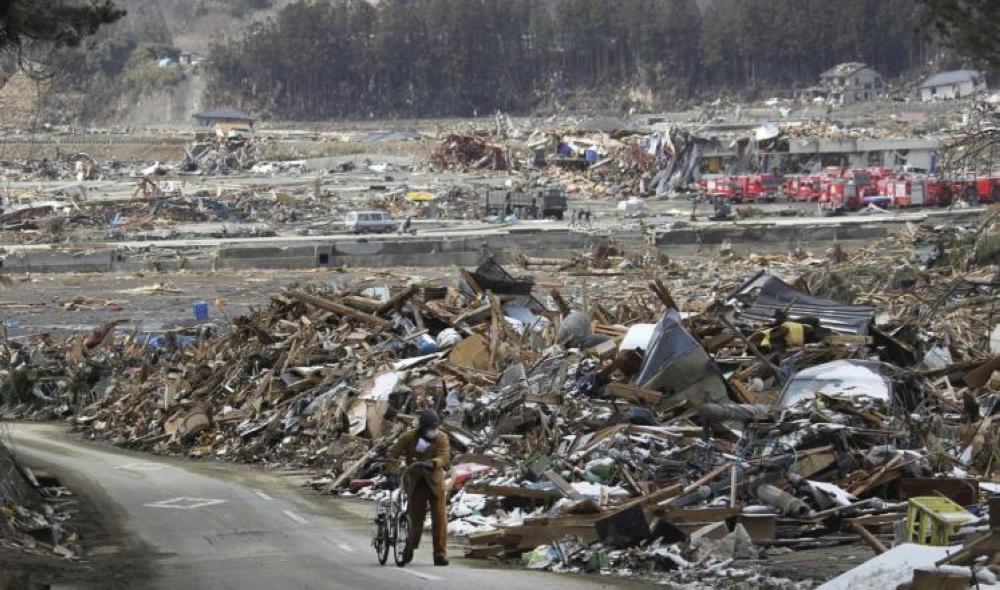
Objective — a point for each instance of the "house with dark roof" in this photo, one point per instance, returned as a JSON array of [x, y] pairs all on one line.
[[226, 116], [851, 82], [953, 84]]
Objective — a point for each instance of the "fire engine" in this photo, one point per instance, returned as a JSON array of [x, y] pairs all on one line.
[[746, 187], [805, 187], [977, 188], [841, 194]]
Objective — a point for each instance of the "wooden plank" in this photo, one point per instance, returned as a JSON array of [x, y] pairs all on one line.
[[563, 485], [484, 551], [813, 461], [350, 471], [509, 491], [337, 308], [661, 291], [884, 474], [654, 498], [488, 537], [981, 374], [529, 537], [398, 299], [474, 315], [873, 541], [365, 304], [678, 515], [564, 307], [985, 545], [496, 320], [742, 391], [716, 342], [877, 519], [648, 397], [549, 400], [708, 477], [480, 460], [469, 280]]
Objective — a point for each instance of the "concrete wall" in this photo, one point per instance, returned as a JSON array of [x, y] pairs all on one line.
[[438, 251]]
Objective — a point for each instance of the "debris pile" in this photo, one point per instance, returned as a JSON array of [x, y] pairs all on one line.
[[221, 152], [625, 163], [36, 512], [676, 419], [77, 166], [470, 152]]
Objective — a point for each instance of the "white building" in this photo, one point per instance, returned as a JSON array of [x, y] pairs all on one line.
[[952, 85], [851, 82]]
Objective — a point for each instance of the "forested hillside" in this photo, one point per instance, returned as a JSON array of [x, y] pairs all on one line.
[[115, 72], [337, 58]]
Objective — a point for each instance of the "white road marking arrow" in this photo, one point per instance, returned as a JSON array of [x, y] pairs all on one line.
[[185, 503]]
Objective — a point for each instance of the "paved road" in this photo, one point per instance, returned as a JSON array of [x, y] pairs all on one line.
[[469, 230], [229, 527], [658, 215]]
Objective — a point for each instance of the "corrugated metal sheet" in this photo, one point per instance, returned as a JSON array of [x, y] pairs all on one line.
[[773, 294]]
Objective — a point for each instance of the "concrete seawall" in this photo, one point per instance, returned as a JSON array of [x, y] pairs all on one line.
[[439, 249]]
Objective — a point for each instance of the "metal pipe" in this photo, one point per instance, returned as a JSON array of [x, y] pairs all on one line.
[[691, 498], [788, 504], [734, 412]]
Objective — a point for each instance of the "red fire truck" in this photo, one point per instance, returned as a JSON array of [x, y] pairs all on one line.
[[841, 194], [906, 190], [804, 187], [745, 187], [977, 188]]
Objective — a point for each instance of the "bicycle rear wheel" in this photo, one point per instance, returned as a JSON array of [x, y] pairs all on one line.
[[402, 552]]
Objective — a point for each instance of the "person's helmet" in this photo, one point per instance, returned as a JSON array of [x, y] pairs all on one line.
[[428, 419]]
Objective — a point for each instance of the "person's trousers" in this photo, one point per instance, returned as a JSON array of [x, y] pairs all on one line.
[[420, 497]]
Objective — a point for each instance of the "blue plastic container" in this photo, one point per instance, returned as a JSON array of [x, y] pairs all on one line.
[[201, 310]]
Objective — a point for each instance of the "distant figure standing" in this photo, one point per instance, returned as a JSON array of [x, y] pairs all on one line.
[[405, 226]]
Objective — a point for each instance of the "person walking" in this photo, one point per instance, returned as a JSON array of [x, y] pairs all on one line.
[[427, 448]]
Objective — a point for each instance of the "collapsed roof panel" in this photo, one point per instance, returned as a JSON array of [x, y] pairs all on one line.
[[775, 295]]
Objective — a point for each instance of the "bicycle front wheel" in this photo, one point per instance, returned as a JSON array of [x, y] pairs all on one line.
[[381, 542], [402, 552]]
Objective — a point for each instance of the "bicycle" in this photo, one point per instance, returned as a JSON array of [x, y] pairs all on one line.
[[392, 528]]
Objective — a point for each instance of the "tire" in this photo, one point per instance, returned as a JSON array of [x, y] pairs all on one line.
[[402, 553], [381, 543]]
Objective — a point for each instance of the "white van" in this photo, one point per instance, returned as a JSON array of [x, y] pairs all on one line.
[[362, 222]]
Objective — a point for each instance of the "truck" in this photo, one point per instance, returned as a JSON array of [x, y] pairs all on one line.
[[744, 187], [539, 203], [977, 188], [763, 187], [803, 187], [841, 194]]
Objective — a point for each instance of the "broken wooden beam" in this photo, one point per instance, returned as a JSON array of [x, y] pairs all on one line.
[[337, 308], [397, 300], [620, 390], [661, 291], [564, 308], [877, 545], [509, 491]]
